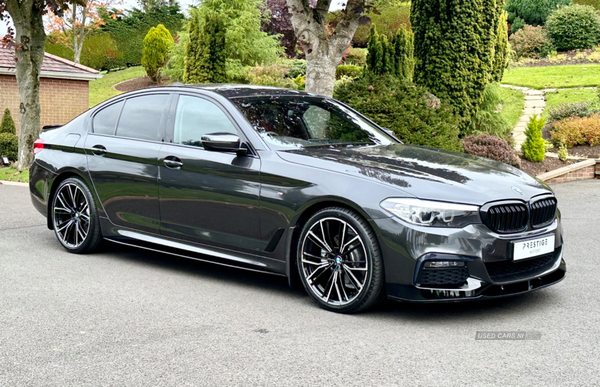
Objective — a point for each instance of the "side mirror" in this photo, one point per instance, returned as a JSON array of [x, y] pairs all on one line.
[[221, 142]]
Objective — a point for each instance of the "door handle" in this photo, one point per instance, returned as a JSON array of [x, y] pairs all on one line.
[[173, 162], [99, 150]]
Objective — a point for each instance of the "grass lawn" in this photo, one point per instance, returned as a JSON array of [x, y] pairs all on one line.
[[553, 76], [102, 89], [569, 96], [9, 173], [513, 102]]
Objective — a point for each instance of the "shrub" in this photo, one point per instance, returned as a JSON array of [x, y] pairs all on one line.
[[563, 152], [574, 27], [357, 57], [517, 24], [501, 50], [271, 75], [488, 119], [100, 52], [531, 42], [9, 145], [391, 56], [566, 110], [297, 68], [492, 147], [403, 108], [577, 131], [534, 147], [205, 60], [348, 71], [157, 44], [591, 3], [532, 12], [454, 50], [8, 124]]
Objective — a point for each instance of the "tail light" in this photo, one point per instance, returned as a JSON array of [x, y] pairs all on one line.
[[38, 146]]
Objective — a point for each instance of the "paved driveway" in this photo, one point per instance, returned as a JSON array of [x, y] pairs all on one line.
[[129, 317]]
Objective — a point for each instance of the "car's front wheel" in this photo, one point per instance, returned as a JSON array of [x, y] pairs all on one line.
[[74, 217], [339, 261]]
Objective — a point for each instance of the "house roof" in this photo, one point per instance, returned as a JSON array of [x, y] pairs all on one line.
[[52, 67]]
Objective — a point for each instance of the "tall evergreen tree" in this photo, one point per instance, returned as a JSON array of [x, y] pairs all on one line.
[[205, 54], [502, 48], [8, 124], [454, 49], [393, 55]]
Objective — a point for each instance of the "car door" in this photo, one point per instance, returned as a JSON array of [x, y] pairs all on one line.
[[208, 197], [122, 152]]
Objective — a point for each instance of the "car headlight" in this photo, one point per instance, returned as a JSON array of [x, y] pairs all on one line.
[[430, 213]]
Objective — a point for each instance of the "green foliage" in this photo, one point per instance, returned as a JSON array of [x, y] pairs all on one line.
[[275, 74], [591, 3], [9, 145], [157, 43], [402, 107], [387, 18], [205, 60], [391, 56], [566, 110], [563, 152], [534, 147], [8, 124], [577, 131], [531, 42], [99, 51], [491, 147], [532, 12], [244, 39], [517, 24], [176, 65], [297, 67], [454, 50], [501, 49], [348, 71], [488, 119], [573, 27], [129, 29], [356, 56]]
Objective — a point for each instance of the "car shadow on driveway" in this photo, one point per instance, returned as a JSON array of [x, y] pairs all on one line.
[[540, 301]]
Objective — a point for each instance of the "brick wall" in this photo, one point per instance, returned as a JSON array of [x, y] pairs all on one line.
[[581, 174], [61, 99]]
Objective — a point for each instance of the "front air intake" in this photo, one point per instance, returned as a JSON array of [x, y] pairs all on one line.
[[543, 212], [507, 217]]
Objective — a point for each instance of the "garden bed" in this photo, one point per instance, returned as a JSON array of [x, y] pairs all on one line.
[[549, 164], [139, 83], [564, 58], [591, 152]]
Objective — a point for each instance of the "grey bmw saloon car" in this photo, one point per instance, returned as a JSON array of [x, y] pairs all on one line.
[[298, 185]]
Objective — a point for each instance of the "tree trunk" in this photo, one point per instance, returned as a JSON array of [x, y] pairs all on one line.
[[30, 39], [324, 47]]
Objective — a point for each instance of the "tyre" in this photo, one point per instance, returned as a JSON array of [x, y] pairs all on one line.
[[339, 261], [75, 218]]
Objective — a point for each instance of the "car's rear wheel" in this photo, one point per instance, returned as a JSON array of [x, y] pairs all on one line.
[[74, 217], [339, 261]]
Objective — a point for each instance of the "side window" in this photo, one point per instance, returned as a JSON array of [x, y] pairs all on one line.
[[105, 121], [141, 117], [196, 117]]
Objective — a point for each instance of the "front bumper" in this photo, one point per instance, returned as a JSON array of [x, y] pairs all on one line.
[[486, 257]]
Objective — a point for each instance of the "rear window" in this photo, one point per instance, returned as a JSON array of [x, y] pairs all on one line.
[[141, 117], [105, 121]]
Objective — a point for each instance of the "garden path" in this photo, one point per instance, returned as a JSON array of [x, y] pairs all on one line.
[[535, 102]]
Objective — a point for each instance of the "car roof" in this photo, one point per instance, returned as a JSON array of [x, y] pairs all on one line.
[[231, 91]]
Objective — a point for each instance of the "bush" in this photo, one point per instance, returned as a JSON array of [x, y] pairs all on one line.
[[566, 110], [205, 60], [577, 131], [532, 12], [591, 3], [356, 56], [348, 71], [100, 52], [8, 124], [9, 146], [157, 44], [534, 147], [403, 108], [297, 68], [517, 24], [501, 49], [574, 27], [275, 74], [488, 119], [454, 50], [492, 147], [391, 56], [531, 42]]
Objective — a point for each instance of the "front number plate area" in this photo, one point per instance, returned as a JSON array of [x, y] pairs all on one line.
[[533, 247]]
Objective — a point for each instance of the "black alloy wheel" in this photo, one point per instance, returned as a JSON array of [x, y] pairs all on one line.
[[74, 217], [339, 261]]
